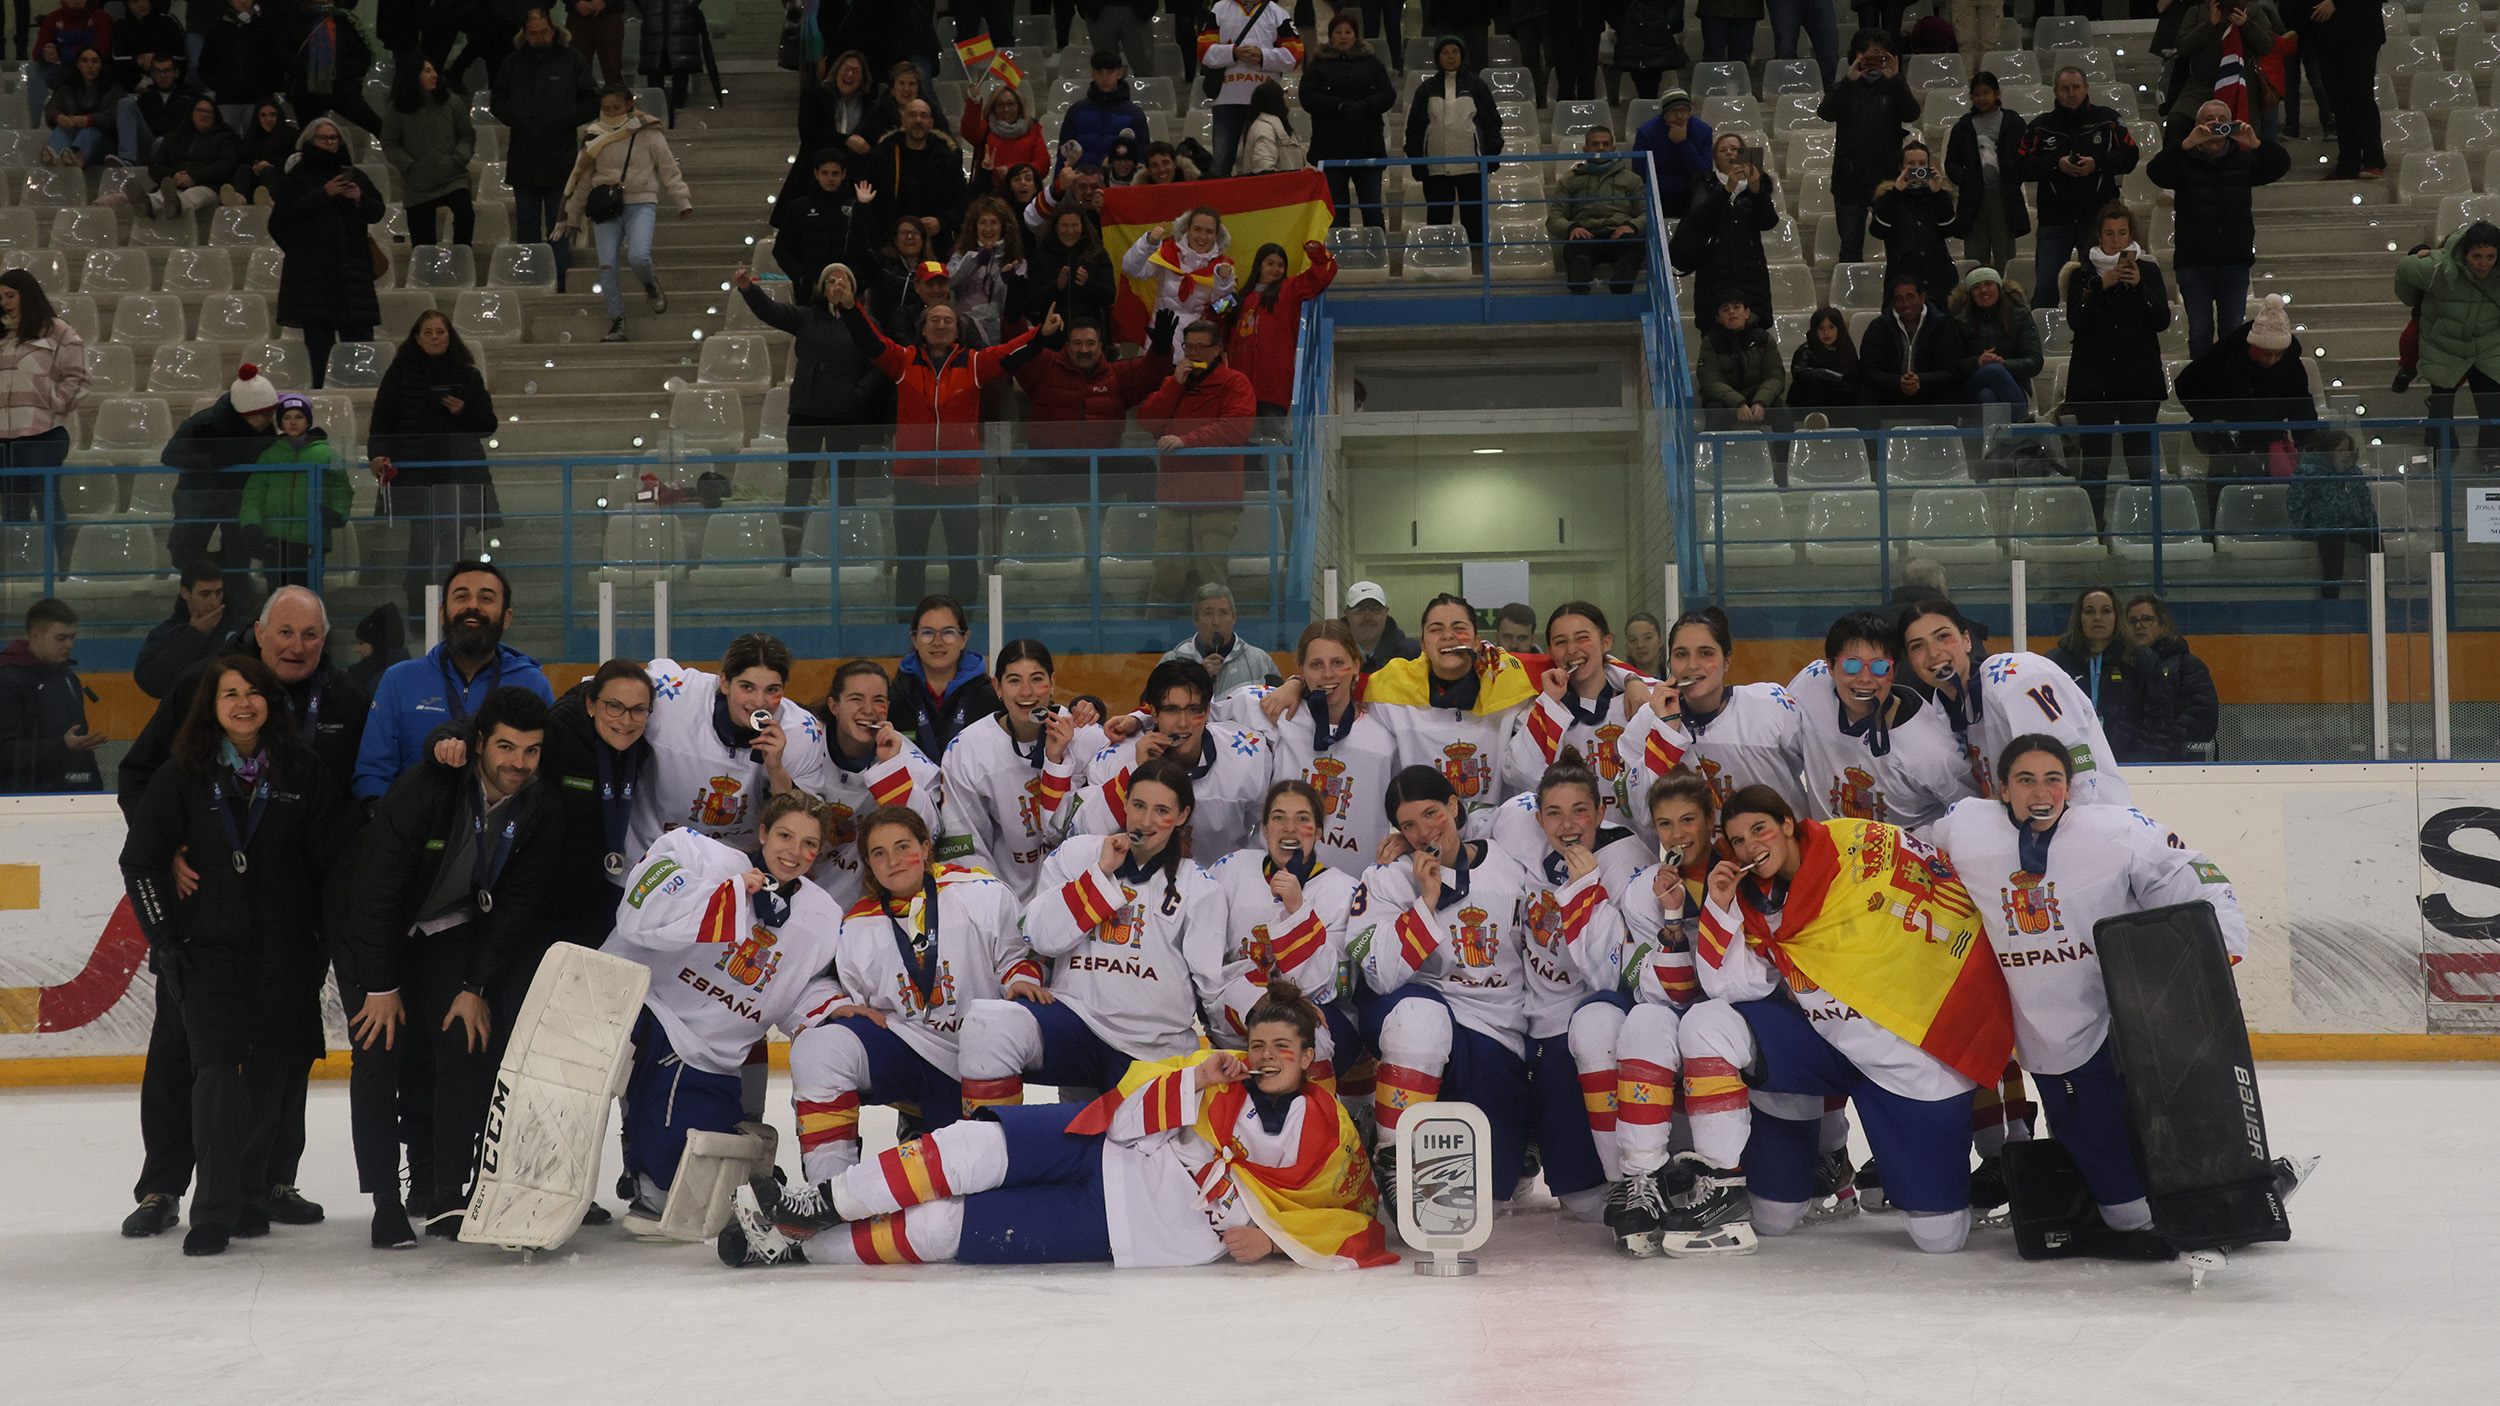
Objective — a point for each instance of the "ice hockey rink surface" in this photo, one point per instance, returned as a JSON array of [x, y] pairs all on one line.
[[2388, 1292]]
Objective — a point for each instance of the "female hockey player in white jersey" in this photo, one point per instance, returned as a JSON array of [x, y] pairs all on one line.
[[1581, 865], [1988, 703], [1650, 964], [2045, 872], [870, 765], [923, 943], [1321, 731], [1285, 915], [1008, 775], [1438, 937], [714, 767], [1872, 750], [736, 945], [1731, 735], [1134, 931], [1454, 707], [1842, 958], [1583, 703], [1228, 771], [1191, 1160]]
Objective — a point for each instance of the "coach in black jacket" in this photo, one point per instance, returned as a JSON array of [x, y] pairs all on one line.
[[441, 931], [327, 710]]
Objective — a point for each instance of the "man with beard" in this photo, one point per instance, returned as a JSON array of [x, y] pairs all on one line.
[[442, 933], [446, 683], [329, 709]]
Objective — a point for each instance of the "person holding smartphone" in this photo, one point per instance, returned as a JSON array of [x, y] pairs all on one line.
[[325, 211], [2076, 150], [1869, 106], [2117, 307], [2214, 166]]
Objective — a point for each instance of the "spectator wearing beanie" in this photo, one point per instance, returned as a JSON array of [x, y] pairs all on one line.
[[1680, 144], [204, 452], [2253, 372]]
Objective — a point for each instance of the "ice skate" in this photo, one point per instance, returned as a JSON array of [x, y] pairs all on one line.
[[796, 1211], [1720, 1220], [1835, 1188], [2289, 1175], [1988, 1201], [1635, 1210], [643, 1213], [2201, 1263], [391, 1230], [1871, 1188], [750, 1242], [1529, 1194], [1385, 1175]]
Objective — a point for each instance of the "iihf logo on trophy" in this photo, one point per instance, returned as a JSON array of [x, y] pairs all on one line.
[[1447, 1199]]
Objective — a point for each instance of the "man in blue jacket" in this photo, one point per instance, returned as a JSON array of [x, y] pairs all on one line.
[[1681, 143], [1097, 119], [446, 683]]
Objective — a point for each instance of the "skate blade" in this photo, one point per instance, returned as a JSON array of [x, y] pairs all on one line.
[[1735, 1238], [2296, 1170], [2201, 1263], [1822, 1210], [1643, 1246], [644, 1227], [1873, 1202], [1993, 1218]]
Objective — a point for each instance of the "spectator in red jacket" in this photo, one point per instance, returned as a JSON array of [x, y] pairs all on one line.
[[1002, 136], [937, 406], [1205, 405], [1080, 401], [1267, 322]]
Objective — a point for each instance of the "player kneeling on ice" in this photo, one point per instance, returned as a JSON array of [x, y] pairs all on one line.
[[1842, 958], [1190, 1160], [2057, 870], [920, 946], [736, 943]]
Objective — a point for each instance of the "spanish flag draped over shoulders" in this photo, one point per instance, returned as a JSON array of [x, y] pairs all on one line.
[[1318, 1210], [1287, 208], [1508, 681], [1883, 923], [945, 874]]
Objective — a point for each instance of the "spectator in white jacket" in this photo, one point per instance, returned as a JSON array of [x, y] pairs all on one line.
[[1251, 43], [1190, 267], [1269, 143]]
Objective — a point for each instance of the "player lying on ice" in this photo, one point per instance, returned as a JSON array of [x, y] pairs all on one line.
[[1190, 1160]]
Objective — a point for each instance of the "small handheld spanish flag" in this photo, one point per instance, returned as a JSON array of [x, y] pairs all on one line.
[[1005, 71], [975, 51]]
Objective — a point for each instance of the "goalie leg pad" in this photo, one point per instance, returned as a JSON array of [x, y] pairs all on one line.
[[709, 1173], [2179, 1041], [2052, 1212], [547, 1123]]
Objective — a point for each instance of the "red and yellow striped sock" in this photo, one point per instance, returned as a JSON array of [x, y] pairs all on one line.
[[829, 1123], [914, 1173], [992, 1093], [1400, 1088], [1712, 1085], [1359, 1081], [1597, 1091], [1644, 1093], [881, 1240]]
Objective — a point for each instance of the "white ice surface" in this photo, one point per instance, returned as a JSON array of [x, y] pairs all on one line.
[[2387, 1293]]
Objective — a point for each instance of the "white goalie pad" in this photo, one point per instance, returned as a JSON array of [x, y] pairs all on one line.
[[709, 1173], [569, 1054]]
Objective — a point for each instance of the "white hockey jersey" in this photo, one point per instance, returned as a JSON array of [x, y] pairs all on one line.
[[1651, 958], [1135, 962], [1002, 805], [1918, 775], [1470, 949], [2019, 693], [1351, 775], [702, 784], [1596, 728], [1757, 738], [1470, 746], [979, 948], [1228, 785], [2100, 861], [720, 976], [1305, 946], [1561, 919], [908, 780]]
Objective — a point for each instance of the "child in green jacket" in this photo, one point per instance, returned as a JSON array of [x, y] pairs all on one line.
[[274, 502]]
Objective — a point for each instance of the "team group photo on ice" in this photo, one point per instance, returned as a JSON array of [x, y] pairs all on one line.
[[1674, 939]]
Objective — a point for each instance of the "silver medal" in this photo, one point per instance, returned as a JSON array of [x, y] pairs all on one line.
[[485, 901], [241, 862], [616, 863]]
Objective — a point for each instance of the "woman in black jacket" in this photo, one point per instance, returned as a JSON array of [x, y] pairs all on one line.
[[433, 412], [257, 813], [837, 395], [1068, 267], [324, 210], [2195, 707], [2123, 680], [594, 758], [889, 277], [2116, 308], [674, 35], [1992, 214], [833, 115], [1348, 93], [1911, 214], [267, 141], [1823, 372], [1720, 240]]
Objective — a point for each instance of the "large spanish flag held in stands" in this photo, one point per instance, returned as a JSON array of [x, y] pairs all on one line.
[[1287, 208], [1883, 923]]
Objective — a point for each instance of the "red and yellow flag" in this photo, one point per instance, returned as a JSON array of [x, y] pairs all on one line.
[[1887, 927], [1005, 71], [975, 52], [1287, 208]]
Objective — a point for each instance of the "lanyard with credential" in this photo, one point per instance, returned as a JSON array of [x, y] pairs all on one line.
[[239, 839], [490, 862], [312, 713], [919, 953], [455, 701], [616, 806]]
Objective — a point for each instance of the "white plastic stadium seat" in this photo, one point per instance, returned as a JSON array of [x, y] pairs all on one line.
[[1841, 530], [2131, 523], [2053, 522], [740, 549]]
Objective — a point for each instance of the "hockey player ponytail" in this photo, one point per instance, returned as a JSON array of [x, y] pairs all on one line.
[[1284, 1004], [1173, 777], [1569, 769]]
